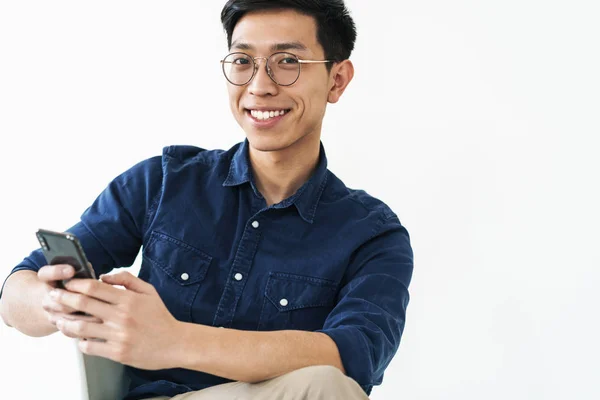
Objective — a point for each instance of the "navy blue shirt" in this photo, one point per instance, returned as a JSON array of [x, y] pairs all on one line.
[[327, 259]]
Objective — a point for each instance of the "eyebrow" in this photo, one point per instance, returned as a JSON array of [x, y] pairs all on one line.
[[276, 47]]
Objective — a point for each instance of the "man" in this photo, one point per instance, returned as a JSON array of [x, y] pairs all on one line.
[[263, 275]]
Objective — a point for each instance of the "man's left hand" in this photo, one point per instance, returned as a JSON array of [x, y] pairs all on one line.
[[136, 328]]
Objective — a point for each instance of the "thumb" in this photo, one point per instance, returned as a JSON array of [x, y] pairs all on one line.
[[128, 281]]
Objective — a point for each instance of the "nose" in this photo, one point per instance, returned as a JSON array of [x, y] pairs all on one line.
[[262, 84]]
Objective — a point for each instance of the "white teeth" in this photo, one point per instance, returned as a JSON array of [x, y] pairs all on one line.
[[262, 115]]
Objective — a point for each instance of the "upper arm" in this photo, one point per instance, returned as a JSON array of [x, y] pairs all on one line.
[[368, 320], [111, 230]]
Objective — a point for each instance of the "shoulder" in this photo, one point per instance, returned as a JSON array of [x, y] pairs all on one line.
[[182, 157], [370, 229], [149, 175], [356, 202], [186, 154], [174, 160], [371, 204]]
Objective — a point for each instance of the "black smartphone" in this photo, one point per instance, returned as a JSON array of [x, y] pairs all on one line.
[[64, 248]]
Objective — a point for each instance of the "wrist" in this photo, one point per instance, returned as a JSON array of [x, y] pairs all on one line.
[[177, 346], [190, 345]]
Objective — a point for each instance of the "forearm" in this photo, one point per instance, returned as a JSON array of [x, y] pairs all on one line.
[[21, 304], [251, 356]]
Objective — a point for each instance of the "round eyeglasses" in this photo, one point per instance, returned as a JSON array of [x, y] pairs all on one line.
[[283, 68]]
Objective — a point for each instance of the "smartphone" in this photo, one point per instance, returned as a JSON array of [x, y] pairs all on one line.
[[64, 248]]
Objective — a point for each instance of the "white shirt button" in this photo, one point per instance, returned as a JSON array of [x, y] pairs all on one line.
[[283, 302], [238, 276], [255, 224], [185, 276]]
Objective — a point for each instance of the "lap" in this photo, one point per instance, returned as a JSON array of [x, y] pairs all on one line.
[[316, 382]]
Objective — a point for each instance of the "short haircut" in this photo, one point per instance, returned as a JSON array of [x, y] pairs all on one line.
[[336, 31]]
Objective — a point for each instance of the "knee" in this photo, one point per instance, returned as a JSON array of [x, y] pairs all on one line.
[[321, 377], [323, 371]]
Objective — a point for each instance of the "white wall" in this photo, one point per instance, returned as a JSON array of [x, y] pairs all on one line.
[[476, 121]]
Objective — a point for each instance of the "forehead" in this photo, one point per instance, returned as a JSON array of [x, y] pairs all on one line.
[[262, 30]]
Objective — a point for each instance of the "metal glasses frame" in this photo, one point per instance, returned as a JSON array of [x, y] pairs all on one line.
[[269, 72]]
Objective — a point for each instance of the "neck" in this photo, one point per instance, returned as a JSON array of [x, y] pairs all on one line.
[[279, 174]]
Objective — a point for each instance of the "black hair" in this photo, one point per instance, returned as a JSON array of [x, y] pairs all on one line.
[[336, 31]]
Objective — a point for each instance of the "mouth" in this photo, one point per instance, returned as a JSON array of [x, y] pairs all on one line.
[[266, 118]]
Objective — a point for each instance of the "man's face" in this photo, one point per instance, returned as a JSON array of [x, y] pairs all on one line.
[[260, 34]]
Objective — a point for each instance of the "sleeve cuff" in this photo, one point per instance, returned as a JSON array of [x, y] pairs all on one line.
[[351, 346]]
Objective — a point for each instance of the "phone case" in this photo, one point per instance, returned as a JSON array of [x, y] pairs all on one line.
[[64, 248]]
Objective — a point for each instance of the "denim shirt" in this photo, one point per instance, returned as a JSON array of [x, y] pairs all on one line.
[[327, 259]]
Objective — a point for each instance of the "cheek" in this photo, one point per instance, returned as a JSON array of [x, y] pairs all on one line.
[[234, 99], [312, 98], [315, 103]]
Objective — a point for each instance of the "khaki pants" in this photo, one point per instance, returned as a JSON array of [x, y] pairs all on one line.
[[311, 383]]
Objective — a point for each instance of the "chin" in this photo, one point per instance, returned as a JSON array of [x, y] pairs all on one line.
[[264, 142]]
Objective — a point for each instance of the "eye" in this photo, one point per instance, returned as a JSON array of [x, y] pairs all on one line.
[[288, 60], [240, 61]]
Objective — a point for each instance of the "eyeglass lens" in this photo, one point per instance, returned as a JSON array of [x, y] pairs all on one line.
[[283, 68]]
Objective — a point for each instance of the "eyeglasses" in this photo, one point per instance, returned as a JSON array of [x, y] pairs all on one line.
[[283, 68]]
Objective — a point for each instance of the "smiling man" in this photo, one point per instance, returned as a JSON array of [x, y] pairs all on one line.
[[263, 275]]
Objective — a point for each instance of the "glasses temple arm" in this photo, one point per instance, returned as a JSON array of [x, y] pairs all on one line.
[[314, 61]]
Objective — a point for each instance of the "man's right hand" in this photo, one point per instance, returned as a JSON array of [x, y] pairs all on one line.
[[51, 275]]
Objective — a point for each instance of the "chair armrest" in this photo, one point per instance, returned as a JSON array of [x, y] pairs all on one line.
[[102, 379]]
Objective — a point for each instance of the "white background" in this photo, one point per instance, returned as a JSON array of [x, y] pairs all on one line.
[[477, 122]]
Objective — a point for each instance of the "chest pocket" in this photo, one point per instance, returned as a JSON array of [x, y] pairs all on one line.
[[176, 270], [296, 302]]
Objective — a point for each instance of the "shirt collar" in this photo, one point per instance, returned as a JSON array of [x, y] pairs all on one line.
[[306, 199], [239, 168]]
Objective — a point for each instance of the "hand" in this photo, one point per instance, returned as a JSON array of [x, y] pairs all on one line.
[[136, 328], [51, 274]]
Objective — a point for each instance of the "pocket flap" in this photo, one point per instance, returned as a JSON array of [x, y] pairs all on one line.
[[180, 261], [290, 292]]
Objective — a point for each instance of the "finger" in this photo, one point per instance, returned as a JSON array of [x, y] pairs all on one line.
[[81, 317], [53, 317], [84, 329], [98, 348], [67, 334], [81, 302], [50, 273], [96, 289], [129, 281], [54, 320], [51, 306]]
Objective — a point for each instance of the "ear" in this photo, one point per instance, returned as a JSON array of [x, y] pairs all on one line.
[[341, 75]]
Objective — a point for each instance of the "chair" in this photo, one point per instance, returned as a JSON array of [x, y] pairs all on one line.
[[101, 378]]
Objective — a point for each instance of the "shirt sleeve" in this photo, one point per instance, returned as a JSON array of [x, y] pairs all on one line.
[[112, 228], [368, 319]]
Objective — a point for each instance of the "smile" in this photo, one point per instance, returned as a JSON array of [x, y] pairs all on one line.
[[267, 114]]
